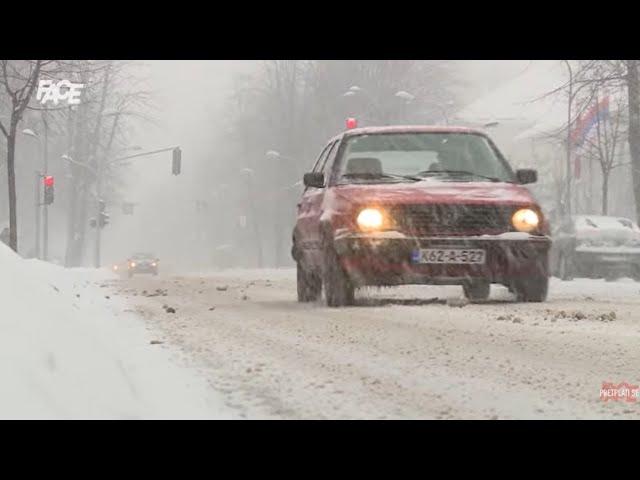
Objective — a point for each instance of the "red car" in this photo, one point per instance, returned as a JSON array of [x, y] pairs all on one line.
[[418, 205]]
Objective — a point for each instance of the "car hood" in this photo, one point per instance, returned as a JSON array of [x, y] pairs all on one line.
[[435, 191]]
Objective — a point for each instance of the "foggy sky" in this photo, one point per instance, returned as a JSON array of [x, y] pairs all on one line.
[[190, 99]]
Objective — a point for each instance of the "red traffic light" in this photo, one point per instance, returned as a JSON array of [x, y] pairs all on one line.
[[351, 123], [48, 181]]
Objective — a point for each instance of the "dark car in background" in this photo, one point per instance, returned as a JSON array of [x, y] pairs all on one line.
[[142, 263], [596, 246]]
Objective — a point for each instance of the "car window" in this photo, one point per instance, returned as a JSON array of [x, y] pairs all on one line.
[[324, 159], [328, 164], [317, 167]]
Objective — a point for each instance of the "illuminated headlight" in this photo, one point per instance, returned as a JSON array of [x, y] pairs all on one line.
[[115, 267], [370, 219], [525, 220], [133, 264], [154, 264]]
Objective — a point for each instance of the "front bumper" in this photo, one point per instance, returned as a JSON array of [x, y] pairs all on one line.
[[143, 269], [386, 258]]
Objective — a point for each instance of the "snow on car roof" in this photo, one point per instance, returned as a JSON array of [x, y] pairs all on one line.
[[604, 222], [412, 129]]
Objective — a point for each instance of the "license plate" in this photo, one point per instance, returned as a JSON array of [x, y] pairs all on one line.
[[449, 255]]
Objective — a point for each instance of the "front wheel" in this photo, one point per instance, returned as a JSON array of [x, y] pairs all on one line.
[[477, 290], [309, 285], [533, 289], [338, 289]]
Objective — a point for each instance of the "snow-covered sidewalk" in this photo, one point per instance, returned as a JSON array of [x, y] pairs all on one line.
[[67, 351]]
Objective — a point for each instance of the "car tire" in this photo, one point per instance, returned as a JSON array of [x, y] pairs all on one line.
[[309, 285], [532, 290], [338, 289], [477, 290], [565, 268]]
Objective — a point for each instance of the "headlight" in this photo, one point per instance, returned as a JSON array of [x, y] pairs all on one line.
[[370, 219], [525, 220], [133, 264], [115, 267]]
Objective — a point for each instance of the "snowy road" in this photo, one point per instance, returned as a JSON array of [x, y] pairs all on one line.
[[400, 353]]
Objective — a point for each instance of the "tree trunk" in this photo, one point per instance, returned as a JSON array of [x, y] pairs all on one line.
[[11, 178], [605, 193], [633, 86]]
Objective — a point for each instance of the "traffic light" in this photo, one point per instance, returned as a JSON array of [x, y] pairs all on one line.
[[103, 219], [48, 190], [177, 161]]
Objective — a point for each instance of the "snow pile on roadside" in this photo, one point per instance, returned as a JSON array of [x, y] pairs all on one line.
[[67, 352]]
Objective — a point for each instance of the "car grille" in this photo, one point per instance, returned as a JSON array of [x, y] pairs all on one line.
[[442, 219]]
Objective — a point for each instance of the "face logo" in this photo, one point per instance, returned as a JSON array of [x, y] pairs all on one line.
[[48, 90]]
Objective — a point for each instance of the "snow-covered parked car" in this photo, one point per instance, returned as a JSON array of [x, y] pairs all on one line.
[[418, 205], [596, 246]]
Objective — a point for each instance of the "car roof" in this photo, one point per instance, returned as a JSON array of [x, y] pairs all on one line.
[[603, 221], [410, 129]]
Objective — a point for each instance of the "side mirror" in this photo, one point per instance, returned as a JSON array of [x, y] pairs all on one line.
[[313, 179], [526, 175]]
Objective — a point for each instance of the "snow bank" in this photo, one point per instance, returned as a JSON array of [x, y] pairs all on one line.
[[68, 352]]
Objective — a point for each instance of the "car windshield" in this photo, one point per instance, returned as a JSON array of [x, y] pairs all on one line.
[[143, 256], [399, 157]]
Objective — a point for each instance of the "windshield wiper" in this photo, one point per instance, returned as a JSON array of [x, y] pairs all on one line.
[[458, 172], [374, 176]]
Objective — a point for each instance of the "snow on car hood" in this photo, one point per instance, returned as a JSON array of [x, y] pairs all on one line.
[[435, 191]]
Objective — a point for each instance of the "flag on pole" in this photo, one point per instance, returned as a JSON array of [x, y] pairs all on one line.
[[585, 122]]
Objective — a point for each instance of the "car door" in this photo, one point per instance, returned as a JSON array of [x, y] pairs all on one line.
[[318, 203], [304, 235]]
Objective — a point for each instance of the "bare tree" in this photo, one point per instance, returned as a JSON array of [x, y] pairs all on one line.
[[603, 147], [19, 80], [98, 129]]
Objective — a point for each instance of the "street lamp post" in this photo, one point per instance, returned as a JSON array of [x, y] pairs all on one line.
[[38, 185], [355, 91], [254, 215], [278, 194], [409, 98], [568, 160]]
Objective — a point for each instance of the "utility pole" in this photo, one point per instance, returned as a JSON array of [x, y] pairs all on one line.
[[98, 213], [45, 213], [38, 186]]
